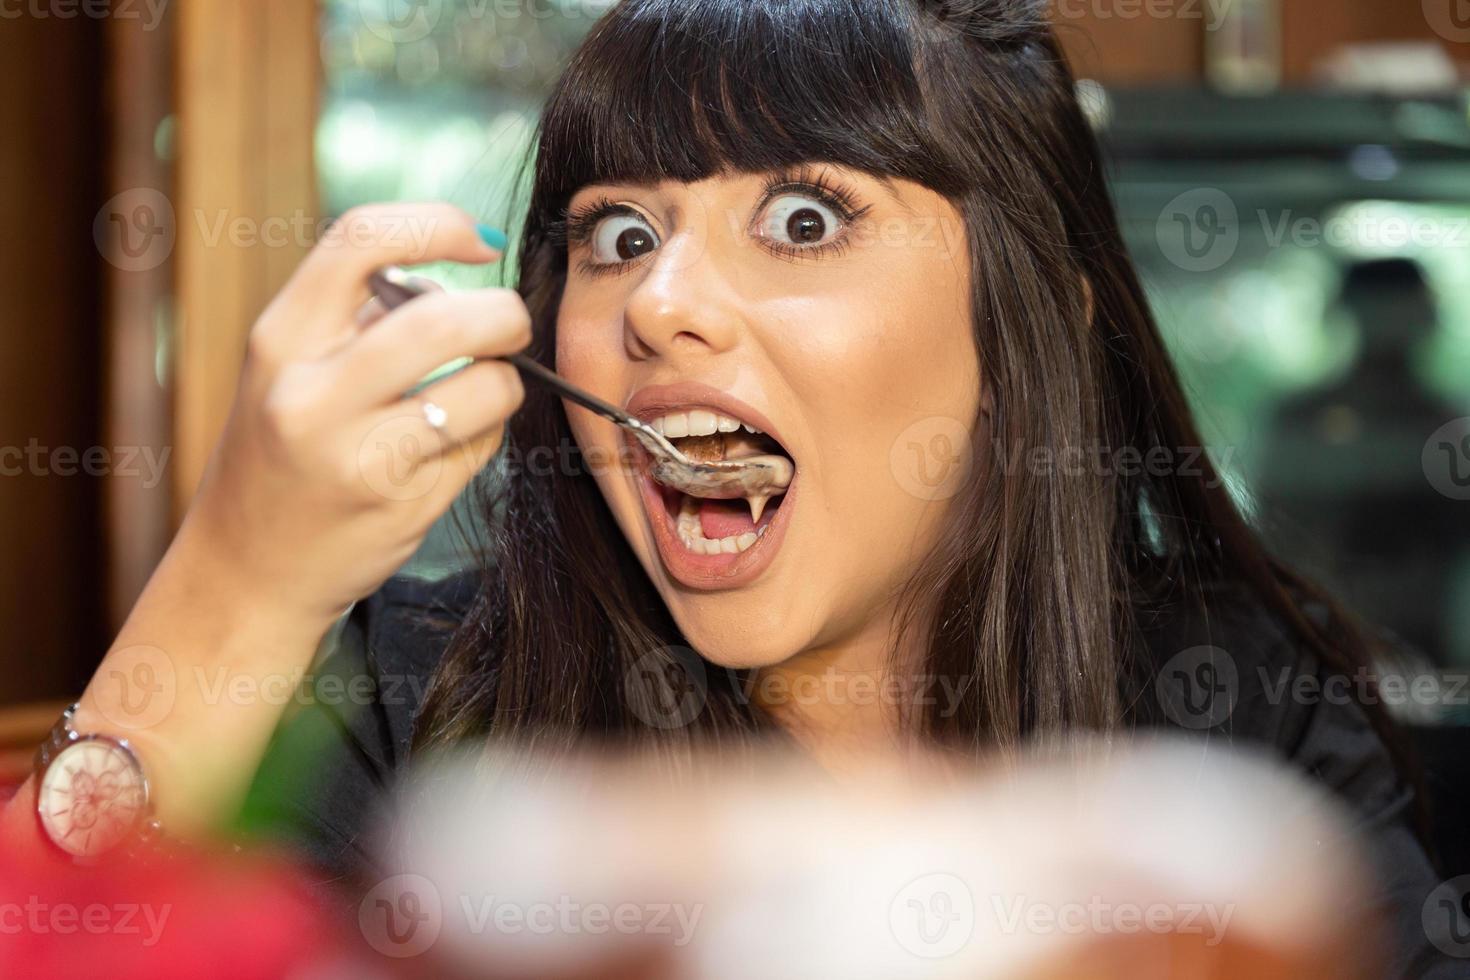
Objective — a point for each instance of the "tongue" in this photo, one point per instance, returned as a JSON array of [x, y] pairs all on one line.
[[725, 518]]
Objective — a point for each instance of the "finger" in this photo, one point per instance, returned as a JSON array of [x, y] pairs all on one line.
[[373, 310], [462, 464], [425, 334], [473, 402], [372, 236], [402, 456], [331, 281]]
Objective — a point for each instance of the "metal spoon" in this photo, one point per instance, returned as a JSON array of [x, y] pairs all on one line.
[[761, 476]]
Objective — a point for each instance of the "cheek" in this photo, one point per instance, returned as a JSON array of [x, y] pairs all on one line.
[[892, 389], [898, 448], [588, 352], [589, 355], [582, 358]]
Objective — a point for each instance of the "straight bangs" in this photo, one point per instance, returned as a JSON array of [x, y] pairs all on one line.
[[680, 91]]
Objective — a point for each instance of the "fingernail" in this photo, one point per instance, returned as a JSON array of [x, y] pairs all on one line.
[[493, 237]]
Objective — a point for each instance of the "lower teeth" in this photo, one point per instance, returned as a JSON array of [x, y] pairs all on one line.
[[691, 533]]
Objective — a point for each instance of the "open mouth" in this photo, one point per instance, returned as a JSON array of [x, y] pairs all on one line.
[[713, 527], [709, 543]]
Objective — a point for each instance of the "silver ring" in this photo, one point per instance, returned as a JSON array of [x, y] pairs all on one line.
[[434, 415]]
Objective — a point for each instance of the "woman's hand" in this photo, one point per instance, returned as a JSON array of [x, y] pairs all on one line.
[[326, 479]]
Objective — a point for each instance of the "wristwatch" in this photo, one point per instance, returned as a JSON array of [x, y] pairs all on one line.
[[92, 797]]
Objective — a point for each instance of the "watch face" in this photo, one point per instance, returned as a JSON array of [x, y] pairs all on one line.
[[92, 796]]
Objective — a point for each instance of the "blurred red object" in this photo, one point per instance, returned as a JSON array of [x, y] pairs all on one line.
[[218, 916]]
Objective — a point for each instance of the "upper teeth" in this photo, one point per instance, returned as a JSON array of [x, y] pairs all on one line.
[[677, 425]]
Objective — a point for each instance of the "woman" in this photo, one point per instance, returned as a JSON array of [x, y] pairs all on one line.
[[876, 233]]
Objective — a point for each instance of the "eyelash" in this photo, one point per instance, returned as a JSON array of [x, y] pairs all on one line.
[[580, 224]]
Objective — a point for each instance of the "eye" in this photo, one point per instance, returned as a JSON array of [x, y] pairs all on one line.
[[622, 238], [795, 219]]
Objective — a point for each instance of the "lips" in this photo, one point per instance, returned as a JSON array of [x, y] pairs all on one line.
[[744, 548]]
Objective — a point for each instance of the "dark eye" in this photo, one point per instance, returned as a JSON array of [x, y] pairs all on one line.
[[621, 238], [799, 220]]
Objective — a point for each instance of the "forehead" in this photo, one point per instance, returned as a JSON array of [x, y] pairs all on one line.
[[730, 179]]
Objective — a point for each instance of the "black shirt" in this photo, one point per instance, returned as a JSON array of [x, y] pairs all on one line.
[[336, 754]]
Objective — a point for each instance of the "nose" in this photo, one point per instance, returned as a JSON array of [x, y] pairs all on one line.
[[684, 306]]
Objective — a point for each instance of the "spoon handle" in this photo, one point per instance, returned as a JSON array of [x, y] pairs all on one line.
[[536, 371]]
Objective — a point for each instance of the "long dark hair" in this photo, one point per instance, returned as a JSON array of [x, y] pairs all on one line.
[[1029, 607]]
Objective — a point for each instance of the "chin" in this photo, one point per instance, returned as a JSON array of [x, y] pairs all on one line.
[[743, 646]]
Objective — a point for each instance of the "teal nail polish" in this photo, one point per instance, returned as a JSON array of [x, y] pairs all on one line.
[[493, 237]]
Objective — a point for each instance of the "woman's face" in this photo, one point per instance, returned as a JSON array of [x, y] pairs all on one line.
[[826, 308]]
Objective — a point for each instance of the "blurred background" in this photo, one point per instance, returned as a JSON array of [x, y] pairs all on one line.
[[1293, 177]]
